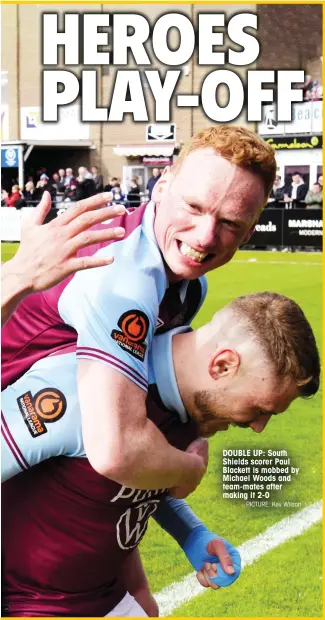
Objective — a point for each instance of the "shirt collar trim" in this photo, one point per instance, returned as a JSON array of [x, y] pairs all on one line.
[[164, 371]]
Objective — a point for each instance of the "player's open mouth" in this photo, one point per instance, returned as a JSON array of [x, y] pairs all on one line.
[[189, 252]]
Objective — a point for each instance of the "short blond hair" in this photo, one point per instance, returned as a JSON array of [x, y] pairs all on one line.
[[283, 331], [238, 145]]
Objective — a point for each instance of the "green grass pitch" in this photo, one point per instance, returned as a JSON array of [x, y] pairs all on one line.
[[286, 582]]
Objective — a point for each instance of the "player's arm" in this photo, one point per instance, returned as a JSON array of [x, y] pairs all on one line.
[[47, 253], [27, 436], [216, 560], [136, 583], [121, 443]]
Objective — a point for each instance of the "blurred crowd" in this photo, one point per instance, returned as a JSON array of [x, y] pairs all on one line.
[[294, 193], [312, 89], [64, 187]]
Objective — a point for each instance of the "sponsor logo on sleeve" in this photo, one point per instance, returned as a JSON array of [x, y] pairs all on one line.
[[131, 336], [47, 406]]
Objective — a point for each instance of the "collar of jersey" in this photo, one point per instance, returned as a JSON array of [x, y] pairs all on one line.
[[183, 290], [163, 367], [148, 221]]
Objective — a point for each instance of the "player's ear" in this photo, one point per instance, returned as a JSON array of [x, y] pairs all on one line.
[[161, 185], [224, 363]]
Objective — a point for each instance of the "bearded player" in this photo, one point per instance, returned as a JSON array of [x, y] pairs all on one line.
[[256, 356], [156, 281]]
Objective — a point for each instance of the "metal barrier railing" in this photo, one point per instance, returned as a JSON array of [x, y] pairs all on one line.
[[59, 202]]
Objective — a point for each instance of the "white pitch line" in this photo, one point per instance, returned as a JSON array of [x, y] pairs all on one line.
[[183, 591], [255, 261]]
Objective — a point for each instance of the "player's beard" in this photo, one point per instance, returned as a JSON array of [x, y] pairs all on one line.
[[209, 413]]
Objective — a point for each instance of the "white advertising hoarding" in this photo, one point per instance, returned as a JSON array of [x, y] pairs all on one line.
[[11, 219]]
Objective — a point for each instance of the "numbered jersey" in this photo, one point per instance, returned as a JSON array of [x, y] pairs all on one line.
[[66, 529]]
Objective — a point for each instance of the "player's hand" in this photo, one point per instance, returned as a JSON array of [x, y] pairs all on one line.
[[215, 559], [203, 575], [48, 253], [200, 448], [217, 549]]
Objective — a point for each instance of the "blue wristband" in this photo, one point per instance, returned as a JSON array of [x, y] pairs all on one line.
[[195, 549]]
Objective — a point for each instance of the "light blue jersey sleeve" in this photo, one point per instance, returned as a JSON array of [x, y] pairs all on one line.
[[114, 309], [41, 415]]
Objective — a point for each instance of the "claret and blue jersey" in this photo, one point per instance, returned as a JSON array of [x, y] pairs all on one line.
[[107, 519], [41, 415], [110, 315]]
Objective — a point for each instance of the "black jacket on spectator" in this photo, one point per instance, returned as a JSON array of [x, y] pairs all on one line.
[[151, 184], [85, 189], [30, 196], [133, 197], [277, 194], [39, 191], [61, 186], [55, 187], [21, 203], [301, 192]]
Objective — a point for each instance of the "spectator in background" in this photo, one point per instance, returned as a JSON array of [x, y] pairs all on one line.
[[108, 187], [86, 173], [4, 196], [14, 196], [118, 196], [29, 192], [314, 198], [27, 196], [85, 186], [320, 180], [98, 179], [70, 192], [313, 90], [110, 184], [307, 88], [133, 196], [152, 181], [61, 181], [40, 172], [55, 182], [42, 185], [277, 193], [297, 191], [69, 178]]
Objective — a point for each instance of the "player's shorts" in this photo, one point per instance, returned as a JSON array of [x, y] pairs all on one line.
[[127, 608]]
